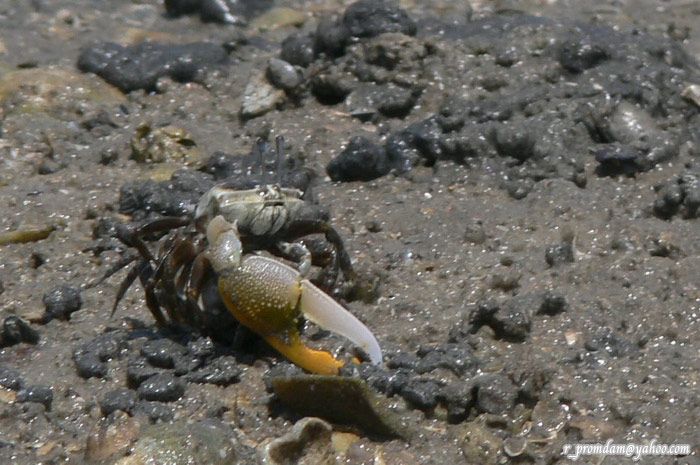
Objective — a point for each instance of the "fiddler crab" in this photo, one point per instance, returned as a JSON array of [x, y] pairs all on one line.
[[263, 293]]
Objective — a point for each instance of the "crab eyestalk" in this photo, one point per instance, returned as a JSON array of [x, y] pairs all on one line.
[[269, 297]]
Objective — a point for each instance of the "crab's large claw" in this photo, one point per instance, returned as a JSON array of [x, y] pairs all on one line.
[[269, 296]]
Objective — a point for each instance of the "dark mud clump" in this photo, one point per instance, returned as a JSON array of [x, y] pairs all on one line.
[[61, 301], [679, 197], [362, 160], [141, 65], [15, 330]]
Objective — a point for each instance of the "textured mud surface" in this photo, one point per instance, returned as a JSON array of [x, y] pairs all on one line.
[[518, 187]]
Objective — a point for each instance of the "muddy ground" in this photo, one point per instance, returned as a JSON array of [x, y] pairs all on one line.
[[531, 222]]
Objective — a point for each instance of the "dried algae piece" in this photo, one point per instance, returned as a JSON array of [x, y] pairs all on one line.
[[341, 400], [26, 235]]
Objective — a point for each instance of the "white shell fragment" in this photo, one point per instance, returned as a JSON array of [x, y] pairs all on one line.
[[321, 309], [692, 93]]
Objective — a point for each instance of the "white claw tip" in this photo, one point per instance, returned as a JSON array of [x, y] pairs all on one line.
[[321, 309]]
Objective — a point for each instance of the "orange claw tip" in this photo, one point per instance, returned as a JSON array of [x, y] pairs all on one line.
[[320, 308], [315, 361]]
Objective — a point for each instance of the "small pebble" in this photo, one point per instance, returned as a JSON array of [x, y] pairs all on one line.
[[396, 102], [155, 411], [260, 97], [373, 226], [36, 259], [403, 360], [90, 358], [282, 74], [496, 394], [163, 387], [668, 201], [162, 353], [457, 396], [105, 346], [10, 379], [15, 330], [119, 399], [421, 393], [579, 55], [474, 233], [507, 280], [221, 371], [138, 370], [298, 50], [611, 343], [331, 37], [61, 301], [202, 347], [36, 393], [553, 303], [519, 188], [49, 166], [388, 382], [692, 94], [459, 358], [362, 160], [479, 315], [559, 254], [513, 321], [89, 365], [370, 18]]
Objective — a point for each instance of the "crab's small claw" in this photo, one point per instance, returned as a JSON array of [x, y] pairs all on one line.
[[269, 296]]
